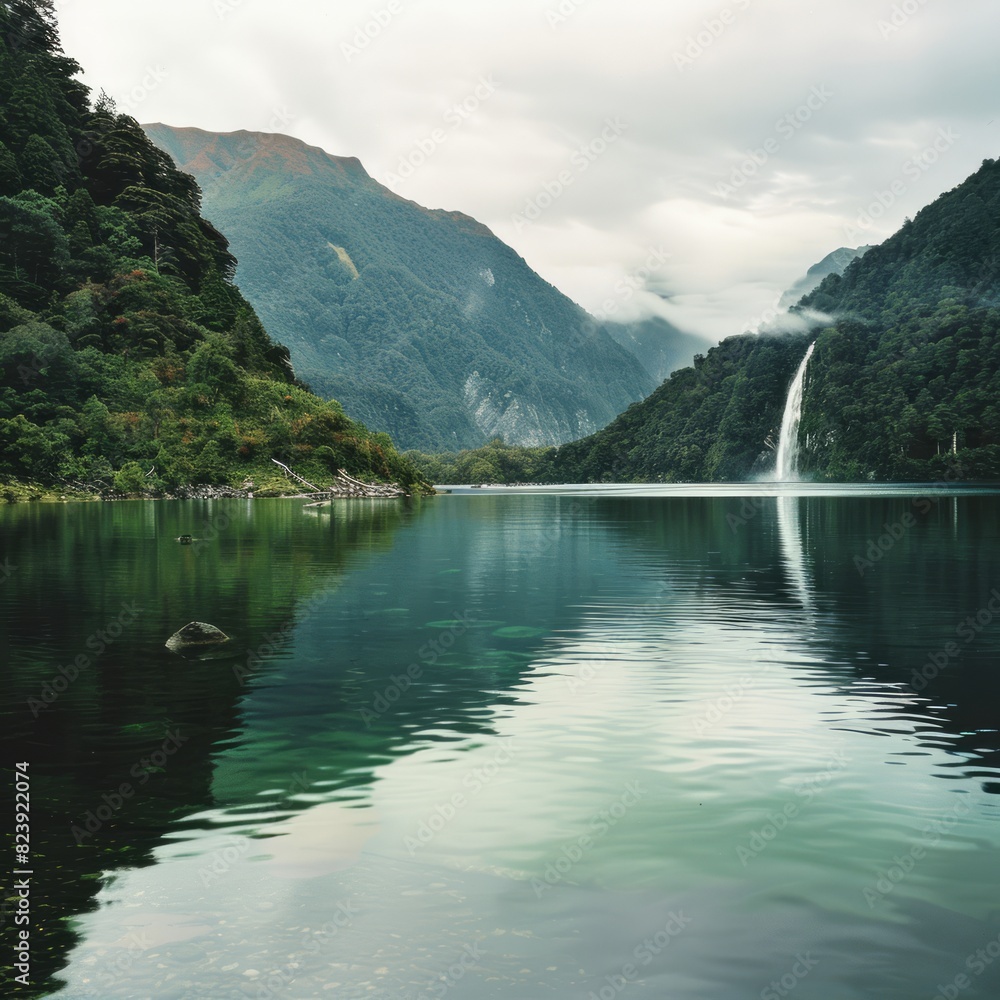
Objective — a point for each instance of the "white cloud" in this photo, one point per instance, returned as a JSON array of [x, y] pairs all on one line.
[[375, 94]]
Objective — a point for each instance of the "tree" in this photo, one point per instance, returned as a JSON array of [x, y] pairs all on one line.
[[33, 252], [211, 367], [131, 478], [41, 165], [10, 175]]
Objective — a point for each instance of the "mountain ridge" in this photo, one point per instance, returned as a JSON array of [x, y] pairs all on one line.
[[836, 262], [444, 337]]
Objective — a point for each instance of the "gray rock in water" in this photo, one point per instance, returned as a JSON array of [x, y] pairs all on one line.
[[196, 636]]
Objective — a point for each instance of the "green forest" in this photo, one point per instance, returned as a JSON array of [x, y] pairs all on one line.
[[129, 361], [904, 384]]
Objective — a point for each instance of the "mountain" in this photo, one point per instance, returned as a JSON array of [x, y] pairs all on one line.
[[904, 385], [833, 263], [422, 323], [659, 346], [128, 358]]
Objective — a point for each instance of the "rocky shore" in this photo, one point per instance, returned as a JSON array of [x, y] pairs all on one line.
[[14, 492]]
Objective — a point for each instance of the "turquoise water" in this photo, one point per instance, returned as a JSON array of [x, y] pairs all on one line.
[[514, 744]]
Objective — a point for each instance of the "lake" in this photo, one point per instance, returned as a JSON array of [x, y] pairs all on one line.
[[712, 742]]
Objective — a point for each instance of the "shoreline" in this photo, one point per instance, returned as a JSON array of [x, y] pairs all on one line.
[[16, 493]]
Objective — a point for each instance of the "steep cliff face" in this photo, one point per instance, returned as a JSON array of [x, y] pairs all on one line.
[[500, 412], [422, 323]]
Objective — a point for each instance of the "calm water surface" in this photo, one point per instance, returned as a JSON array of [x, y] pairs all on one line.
[[512, 746]]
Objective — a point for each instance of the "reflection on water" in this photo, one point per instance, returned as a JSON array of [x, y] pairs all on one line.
[[519, 746], [792, 548]]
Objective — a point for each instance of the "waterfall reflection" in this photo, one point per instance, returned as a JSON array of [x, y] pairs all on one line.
[[793, 551]]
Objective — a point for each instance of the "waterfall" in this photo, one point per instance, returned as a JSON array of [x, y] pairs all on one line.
[[786, 465]]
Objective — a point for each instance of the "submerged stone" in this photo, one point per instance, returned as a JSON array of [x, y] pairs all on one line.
[[518, 632], [196, 636]]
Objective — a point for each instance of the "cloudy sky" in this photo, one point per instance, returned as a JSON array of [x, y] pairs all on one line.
[[719, 147]]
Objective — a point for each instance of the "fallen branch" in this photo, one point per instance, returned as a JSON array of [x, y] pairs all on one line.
[[295, 475]]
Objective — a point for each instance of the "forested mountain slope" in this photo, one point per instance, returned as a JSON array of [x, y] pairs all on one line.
[[421, 322], [128, 358], [904, 383]]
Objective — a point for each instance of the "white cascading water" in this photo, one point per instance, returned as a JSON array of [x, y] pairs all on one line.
[[787, 464]]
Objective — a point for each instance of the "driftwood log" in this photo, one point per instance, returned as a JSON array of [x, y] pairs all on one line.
[[346, 487]]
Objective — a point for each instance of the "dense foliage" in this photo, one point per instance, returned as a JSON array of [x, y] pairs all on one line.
[[421, 322], [494, 462], [706, 423], [904, 383], [128, 359], [907, 383]]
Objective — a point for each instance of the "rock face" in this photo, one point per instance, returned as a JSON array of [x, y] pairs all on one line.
[[196, 637]]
